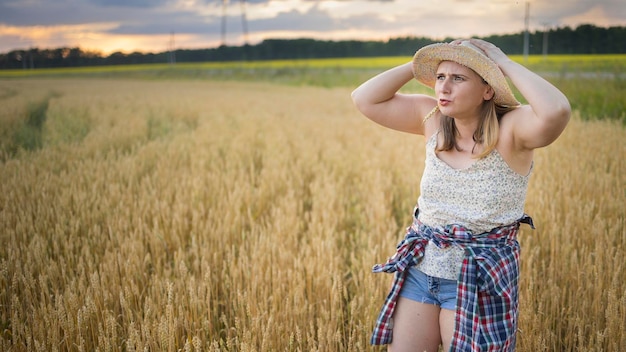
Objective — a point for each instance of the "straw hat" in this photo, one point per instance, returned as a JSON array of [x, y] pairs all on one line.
[[426, 62]]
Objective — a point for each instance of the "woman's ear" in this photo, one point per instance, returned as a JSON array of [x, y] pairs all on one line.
[[489, 93]]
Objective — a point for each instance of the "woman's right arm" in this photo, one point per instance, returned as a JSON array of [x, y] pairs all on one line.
[[378, 99]]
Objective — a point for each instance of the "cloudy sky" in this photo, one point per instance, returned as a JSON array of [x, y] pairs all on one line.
[[156, 25]]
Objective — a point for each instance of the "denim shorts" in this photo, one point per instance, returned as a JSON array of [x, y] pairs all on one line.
[[428, 289]]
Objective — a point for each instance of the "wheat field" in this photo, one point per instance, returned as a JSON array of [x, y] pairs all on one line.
[[153, 215]]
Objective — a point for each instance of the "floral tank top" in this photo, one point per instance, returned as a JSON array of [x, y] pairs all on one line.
[[485, 195]]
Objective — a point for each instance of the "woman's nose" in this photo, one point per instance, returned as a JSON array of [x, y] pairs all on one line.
[[444, 85]]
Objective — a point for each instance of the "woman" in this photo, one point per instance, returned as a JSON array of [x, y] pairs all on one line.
[[456, 271]]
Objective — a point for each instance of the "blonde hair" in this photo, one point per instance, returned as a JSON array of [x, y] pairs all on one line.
[[486, 133]]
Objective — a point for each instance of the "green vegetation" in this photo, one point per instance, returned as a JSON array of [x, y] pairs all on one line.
[[26, 132], [559, 63]]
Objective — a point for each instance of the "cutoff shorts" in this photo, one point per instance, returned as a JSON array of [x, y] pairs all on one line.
[[428, 289]]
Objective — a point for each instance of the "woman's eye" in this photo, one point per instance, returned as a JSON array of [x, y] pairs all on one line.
[[440, 77], [458, 78]]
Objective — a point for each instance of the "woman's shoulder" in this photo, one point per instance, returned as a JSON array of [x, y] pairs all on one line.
[[425, 105], [510, 119], [422, 112], [432, 122], [519, 159]]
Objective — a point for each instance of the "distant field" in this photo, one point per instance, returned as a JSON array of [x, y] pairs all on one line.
[[155, 212], [595, 84], [571, 62]]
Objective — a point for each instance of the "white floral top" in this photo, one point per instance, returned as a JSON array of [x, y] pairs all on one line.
[[485, 195]]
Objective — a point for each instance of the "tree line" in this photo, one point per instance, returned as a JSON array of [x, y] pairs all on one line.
[[584, 39]]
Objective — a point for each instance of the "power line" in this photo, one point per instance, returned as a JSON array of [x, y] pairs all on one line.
[[244, 20], [224, 5], [172, 49], [526, 36]]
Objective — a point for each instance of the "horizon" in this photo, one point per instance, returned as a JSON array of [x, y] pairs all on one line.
[[102, 54]]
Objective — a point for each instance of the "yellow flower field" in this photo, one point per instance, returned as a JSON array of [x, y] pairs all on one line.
[[197, 215]]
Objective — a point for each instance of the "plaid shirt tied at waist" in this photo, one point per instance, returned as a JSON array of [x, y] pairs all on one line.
[[487, 291]]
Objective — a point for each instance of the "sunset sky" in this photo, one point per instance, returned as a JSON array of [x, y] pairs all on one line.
[[157, 25]]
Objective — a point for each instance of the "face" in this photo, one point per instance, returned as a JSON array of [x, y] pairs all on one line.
[[460, 91]]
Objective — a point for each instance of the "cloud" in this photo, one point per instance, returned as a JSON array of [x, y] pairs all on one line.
[[129, 3], [350, 0], [166, 22], [136, 18], [198, 22], [41, 13], [313, 19], [602, 14]]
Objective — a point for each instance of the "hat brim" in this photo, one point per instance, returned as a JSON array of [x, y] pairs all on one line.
[[427, 59]]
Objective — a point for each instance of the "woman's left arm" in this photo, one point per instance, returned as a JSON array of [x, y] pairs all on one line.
[[540, 123]]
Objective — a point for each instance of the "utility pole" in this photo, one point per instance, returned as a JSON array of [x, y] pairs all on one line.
[[224, 6], [244, 21], [526, 39], [546, 27], [172, 53]]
